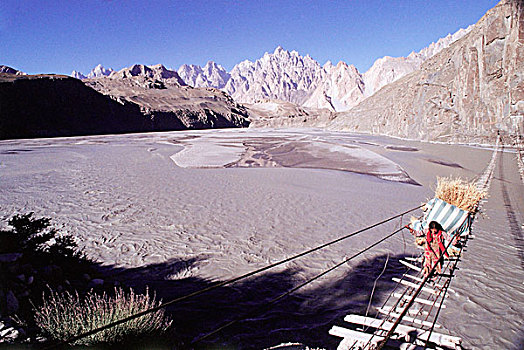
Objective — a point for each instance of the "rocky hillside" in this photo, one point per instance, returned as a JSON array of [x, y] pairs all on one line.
[[136, 99], [57, 105], [467, 92], [162, 96], [282, 114]]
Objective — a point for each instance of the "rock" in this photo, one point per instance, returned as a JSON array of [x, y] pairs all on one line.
[[52, 273], [27, 269], [13, 269], [46, 271], [96, 283], [30, 280], [8, 334], [278, 114], [86, 277], [11, 303], [10, 257], [21, 278]]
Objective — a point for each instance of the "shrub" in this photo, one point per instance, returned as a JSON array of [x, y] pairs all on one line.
[[30, 235], [65, 315]]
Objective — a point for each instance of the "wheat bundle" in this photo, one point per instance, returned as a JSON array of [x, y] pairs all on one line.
[[459, 192]]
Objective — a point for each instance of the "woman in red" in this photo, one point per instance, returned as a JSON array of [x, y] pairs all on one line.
[[433, 246]]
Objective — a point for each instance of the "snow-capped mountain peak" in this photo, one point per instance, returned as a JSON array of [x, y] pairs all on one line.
[[98, 71], [211, 75], [78, 75]]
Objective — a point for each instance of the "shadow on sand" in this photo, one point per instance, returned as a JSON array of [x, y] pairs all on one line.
[[514, 226], [304, 317]]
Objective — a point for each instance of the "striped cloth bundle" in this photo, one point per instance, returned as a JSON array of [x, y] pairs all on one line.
[[452, 219]]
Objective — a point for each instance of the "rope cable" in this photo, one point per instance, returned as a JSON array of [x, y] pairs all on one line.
[[375, 284]]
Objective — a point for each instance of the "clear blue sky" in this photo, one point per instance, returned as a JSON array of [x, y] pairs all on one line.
[[58, 36]]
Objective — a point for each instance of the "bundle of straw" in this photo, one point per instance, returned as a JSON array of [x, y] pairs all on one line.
[[459, 192]]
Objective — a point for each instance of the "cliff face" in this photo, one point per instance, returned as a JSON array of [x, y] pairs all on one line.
[[467, 92], [54, 105]]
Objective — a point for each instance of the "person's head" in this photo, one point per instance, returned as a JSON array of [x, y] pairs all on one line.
[[434, 227]]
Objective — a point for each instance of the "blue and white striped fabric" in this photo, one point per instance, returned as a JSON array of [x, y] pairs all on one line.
[[452, 219]]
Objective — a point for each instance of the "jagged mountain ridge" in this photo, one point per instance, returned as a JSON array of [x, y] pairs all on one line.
[[288, 76], [211, 75], [98, 71], [156, 72]]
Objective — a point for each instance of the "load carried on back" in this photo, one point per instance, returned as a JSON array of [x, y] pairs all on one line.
[[448, 218]]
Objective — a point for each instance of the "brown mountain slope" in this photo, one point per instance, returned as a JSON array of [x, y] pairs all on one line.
[[467, 92], [163, 99], [55, 105]]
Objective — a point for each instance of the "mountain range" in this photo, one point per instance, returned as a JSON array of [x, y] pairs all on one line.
[[288, 76], [465, 87]]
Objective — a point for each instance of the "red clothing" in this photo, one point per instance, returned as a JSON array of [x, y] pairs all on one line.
[[433, 249]]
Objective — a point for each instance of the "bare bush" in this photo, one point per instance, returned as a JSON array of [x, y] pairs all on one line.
[[65, 315]]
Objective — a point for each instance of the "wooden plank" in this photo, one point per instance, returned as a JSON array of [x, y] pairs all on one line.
[[359, 338], [417, 300], [411, 266], [405, 331], [413, 285], [413, 259]]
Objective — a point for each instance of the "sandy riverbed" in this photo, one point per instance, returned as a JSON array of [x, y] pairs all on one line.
[[179, 210]]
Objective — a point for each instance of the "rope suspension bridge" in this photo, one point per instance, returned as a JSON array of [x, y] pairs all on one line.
[[409, 314], [409, 317]]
